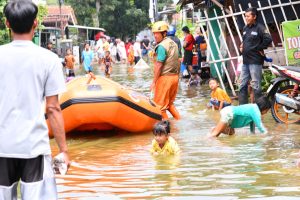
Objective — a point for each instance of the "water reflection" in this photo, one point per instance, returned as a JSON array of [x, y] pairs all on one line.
[[119, 165]]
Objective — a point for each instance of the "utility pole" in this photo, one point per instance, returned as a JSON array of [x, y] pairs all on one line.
[[61, 2], [153, 10]]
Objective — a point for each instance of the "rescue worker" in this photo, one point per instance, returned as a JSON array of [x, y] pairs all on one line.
[[166, 70]]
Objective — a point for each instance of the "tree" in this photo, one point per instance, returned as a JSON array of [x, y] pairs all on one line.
[[4, 33], [162, 3], [120, 18], [83, 10], [41, 15]]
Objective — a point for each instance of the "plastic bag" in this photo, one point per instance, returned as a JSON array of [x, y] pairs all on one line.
[[58, 164], [239, 64]]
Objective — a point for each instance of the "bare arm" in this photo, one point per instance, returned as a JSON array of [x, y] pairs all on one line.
[[57, 124], [184, 44], [218, 129]]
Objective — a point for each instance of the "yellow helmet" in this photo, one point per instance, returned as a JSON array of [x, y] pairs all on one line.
[[160, 26]]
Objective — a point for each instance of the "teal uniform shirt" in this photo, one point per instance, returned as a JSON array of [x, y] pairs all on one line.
[[248, 114], [161, 53]]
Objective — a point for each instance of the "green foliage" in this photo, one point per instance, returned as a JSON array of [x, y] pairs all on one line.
[[266, 81], [4, 33], [83, 10], [52, 2], [162, 3], [120, 18], [187, 23], [41, 14]]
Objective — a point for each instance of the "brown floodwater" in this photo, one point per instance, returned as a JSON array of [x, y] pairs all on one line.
[[244, 166]]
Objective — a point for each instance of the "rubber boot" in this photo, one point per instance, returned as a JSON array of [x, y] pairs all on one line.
[[164, 114], [174, 112]]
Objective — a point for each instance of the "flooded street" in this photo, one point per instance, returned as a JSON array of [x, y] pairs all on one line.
[[244, 166]]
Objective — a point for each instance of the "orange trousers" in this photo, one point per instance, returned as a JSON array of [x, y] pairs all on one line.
[[165, 93]]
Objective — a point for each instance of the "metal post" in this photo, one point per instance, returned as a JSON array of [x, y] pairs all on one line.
[[279, 32], [236, 26], [294, 9], [240, 6], [231, 35], [212, 55], [282, 10], [227, 49], [60, 2], [87, 35], [221, 56]]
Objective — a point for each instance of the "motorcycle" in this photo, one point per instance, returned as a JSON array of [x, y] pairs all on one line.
[[284, 94]]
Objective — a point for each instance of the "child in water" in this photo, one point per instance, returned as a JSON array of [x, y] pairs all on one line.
[[194, 79], [219, 98], [107, 60], [163, 143], [241, 116], [130, 57], [69, 60], [87, 58]]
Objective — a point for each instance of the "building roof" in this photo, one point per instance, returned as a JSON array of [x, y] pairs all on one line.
[[197, 3], [206, 3], [67, 15]]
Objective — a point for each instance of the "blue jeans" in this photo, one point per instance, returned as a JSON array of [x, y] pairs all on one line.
[[216, 103], [252, 73], [199, 58], [144, 52]]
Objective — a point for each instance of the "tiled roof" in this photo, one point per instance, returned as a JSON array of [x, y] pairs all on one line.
[[67, 14]]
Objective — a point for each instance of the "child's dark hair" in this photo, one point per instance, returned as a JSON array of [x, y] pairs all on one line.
[[84, 45], [162, 127], [213, 79], [263, 103], [20, 15]]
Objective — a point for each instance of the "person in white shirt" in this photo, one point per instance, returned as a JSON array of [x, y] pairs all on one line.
[[99, 50], [137, 51], [121, 50], [29, 75]]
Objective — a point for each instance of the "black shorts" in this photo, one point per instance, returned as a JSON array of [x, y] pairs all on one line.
[[36, 176], [187, 57], [136, 59], [106, 69]]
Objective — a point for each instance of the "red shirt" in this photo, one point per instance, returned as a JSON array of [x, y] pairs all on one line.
[[189, 39]]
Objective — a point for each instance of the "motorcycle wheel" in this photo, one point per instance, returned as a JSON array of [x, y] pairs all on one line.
[[283, 114]]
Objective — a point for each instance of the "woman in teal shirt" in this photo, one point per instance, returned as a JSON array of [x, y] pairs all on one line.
[[241, 116]]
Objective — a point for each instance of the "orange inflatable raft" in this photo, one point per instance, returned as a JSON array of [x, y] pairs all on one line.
[[106, 105]]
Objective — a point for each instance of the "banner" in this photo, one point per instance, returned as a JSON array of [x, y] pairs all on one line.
[[291, 34]]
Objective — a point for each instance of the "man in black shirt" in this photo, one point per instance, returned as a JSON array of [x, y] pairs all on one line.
[[145, 46], [255, 40]]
